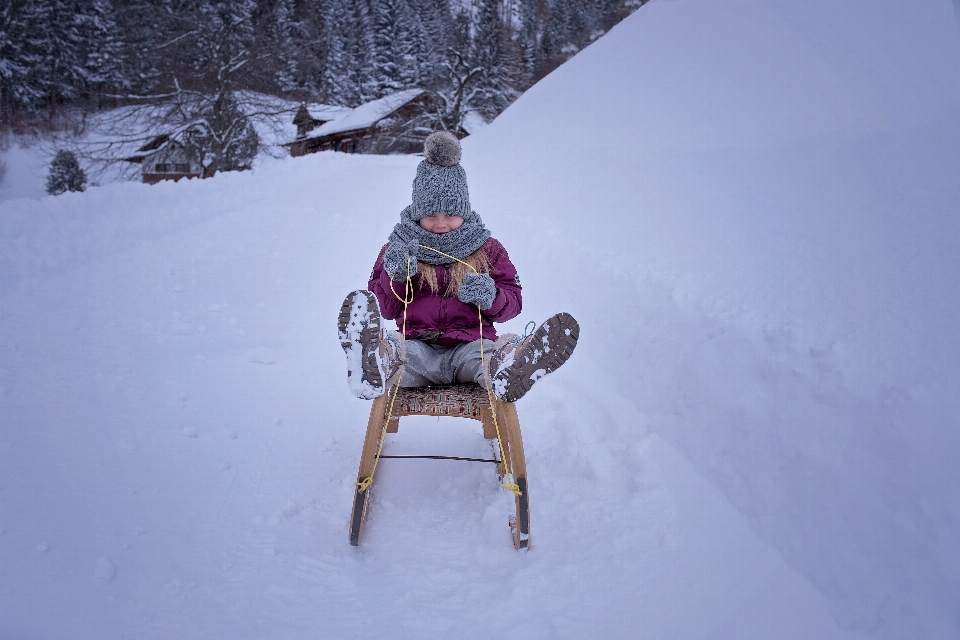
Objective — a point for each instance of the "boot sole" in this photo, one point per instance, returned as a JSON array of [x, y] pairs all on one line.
[[358, 327], [549, 347]]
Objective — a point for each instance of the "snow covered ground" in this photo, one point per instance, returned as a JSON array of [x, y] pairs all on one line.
[[25, 171], [750, 208], [179, 449]]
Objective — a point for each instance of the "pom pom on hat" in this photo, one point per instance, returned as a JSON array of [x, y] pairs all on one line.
[[442, 149]]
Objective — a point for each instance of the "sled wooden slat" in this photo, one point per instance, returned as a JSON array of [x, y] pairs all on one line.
[[509, 422], [459, 401], [367, 458]]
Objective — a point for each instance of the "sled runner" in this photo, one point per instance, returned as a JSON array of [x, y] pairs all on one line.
[[459, 400]]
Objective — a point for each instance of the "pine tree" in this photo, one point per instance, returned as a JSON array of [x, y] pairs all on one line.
[[17, 61], [102, 47], [384, 74], [285, 27], [347, 77], [336, 64], [57, 51], [65, 174], [55, 44], [488, 51], [526, 17], [197, 55], [416, 58], [571, 25], [150, 46], [435, 29], [224, 42], [309, 48]]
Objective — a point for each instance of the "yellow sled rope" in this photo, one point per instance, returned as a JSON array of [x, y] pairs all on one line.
[[407, 298]]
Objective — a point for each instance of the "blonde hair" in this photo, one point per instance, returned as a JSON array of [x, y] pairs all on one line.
[[478, 260]]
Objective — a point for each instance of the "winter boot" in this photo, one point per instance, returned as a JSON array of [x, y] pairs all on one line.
[[517, 364], [359, 330]]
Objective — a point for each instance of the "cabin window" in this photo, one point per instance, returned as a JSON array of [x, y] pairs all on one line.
[[183, 167], [164, 167]]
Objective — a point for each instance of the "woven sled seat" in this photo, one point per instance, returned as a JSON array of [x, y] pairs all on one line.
[[460, 401]]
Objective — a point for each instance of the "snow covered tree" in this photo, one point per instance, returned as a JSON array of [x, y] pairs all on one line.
[[151, 52], [224, 135], [16, 60], [456, 96], [335, 62], [384, 76], [151, 37], [496, 53], [205, 111], [199, 100], [570, 25], [65, 174], [525, 15], [102, 48], [360, 50], [70, 48], [412, 49], [399, 54], [56, 51], [25, 45], [286, 30], [346, 79]]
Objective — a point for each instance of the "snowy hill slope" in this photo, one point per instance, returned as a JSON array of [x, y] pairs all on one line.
[[179, 449], [742, 202], [771, 188]]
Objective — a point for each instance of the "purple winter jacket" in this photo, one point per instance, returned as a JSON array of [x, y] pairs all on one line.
[[453, 320]]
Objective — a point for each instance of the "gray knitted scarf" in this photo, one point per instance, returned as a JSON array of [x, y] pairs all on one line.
[[460, 243]]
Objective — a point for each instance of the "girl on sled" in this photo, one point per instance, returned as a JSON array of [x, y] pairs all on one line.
[[446, 281]]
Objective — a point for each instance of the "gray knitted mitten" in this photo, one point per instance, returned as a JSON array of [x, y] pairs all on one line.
[[478, 289], [395, 260]]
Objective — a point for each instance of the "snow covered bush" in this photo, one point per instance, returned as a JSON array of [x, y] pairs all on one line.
[[65, 174]]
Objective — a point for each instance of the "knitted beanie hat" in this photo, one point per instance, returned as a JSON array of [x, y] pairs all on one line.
[[441, 183]]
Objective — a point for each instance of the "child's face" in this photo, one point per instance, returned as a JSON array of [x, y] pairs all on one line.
[[440, 223]]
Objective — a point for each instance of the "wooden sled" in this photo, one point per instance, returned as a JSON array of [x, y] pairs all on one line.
[[458, 400]]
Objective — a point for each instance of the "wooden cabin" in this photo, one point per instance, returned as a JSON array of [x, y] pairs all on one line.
[[378, 126], [310, 117], [165, 159]]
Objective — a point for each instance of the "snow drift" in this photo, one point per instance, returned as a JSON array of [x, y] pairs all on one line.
[[773, 188]]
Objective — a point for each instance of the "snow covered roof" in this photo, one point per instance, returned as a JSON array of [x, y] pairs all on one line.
[[278, 127], [367, 115], [326, 112]]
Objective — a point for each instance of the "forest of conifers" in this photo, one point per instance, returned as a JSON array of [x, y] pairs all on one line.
[[60, 56]]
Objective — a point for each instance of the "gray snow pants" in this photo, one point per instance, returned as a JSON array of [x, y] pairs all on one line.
[[435, 364]]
